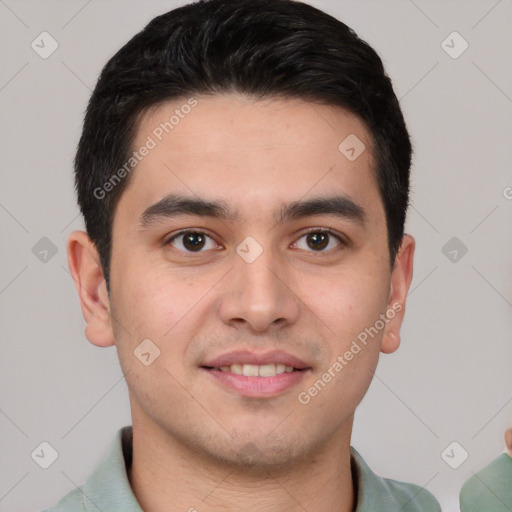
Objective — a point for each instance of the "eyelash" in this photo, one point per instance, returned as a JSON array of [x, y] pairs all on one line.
[[328, 231]]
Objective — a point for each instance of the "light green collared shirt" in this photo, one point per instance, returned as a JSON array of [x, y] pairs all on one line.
[[490, 489], [108, 489]]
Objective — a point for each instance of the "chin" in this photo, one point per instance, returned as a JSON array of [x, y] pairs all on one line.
[[258, 455]]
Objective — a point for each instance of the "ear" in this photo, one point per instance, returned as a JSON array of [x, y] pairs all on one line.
[[401, 278], [84, 265]]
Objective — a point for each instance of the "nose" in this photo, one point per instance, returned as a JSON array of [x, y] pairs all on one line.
[[259, 295]]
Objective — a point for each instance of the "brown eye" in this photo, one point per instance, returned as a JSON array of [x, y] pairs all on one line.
[[191, 241], [319, 240]]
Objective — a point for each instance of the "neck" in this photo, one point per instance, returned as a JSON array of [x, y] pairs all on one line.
[[167, 476]]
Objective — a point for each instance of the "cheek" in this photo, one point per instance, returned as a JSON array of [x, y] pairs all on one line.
[[346, 303], [149, 296], [160, 304], [353, 381]]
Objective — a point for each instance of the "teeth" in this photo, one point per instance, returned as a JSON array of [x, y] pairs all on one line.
[[254, 370], [267, 370], [250, 370], [236, 368]]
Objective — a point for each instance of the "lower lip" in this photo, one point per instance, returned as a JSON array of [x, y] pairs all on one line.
[[258, 386]]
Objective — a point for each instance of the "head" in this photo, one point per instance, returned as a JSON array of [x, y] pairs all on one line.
[[247, 123]]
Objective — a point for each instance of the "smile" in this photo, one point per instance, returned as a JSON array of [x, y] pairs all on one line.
[[254, 370]]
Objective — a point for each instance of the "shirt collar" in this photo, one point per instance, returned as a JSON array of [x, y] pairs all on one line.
[[108, 488], [375, 493]]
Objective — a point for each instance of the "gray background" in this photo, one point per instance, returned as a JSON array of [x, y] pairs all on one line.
[[449, 381]]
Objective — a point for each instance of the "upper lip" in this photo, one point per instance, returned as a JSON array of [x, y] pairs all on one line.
[[251, 357]]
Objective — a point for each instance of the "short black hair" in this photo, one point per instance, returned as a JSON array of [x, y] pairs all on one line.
[[260, 48]]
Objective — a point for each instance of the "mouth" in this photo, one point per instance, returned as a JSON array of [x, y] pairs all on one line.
[[257, 375], [255, 370]]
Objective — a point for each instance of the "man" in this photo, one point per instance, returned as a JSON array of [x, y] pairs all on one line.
[[243, 173]]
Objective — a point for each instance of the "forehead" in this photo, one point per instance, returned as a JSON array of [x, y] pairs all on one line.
[[252, 154]]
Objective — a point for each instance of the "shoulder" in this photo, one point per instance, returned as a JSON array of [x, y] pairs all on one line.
[[410, 497], [490, 488], [107, 488], [384, 494], [71, 502]]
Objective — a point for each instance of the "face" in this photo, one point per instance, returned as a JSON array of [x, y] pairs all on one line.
[[282, 280]]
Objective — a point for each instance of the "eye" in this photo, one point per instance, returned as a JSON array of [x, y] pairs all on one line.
[[191, 241], [319, 239]]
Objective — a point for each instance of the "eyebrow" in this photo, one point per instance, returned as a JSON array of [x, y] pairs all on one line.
[[174, 205]]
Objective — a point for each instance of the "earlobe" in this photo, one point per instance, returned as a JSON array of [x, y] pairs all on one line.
[[401, 278], [85, 268], [390, 342]]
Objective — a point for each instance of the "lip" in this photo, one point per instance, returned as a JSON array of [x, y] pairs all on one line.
[[251, 357], [256, 387]]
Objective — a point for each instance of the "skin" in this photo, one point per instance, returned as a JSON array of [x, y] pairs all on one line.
[[189, 431]]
